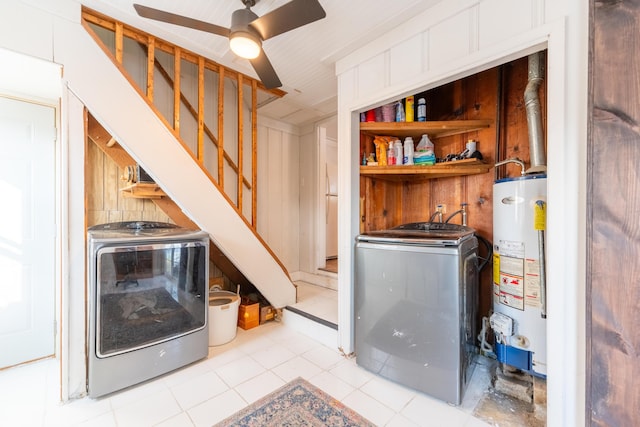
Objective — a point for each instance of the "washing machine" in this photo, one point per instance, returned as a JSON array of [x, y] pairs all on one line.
[[416, 302]]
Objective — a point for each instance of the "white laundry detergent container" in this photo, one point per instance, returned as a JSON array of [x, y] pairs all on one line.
[[223, 316]]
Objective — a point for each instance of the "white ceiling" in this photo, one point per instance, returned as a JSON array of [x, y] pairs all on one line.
[[304, 58]]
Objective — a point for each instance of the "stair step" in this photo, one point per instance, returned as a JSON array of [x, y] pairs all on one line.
[[318, 329]]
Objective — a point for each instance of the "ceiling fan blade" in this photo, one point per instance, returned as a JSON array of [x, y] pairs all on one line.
[[265, 71], [290, 16], [172, 18]]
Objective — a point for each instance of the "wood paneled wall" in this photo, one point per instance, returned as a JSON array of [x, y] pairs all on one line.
[[105, 202], [496, 94], [613, 217]]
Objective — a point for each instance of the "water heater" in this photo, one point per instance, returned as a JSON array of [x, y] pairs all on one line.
[[519, 305]]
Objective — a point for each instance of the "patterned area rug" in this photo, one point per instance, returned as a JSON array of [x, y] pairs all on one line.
[[297, 403]]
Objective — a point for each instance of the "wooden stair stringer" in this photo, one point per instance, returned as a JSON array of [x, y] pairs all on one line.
[[92, 78]]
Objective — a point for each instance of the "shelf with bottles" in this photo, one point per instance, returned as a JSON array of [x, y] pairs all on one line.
[[435, 129], [423, 172]]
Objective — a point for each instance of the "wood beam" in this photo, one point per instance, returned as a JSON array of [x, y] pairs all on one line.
[[221, 128], [176, 88], [200, 150], [254, 154], [151, 55], [240, 144]]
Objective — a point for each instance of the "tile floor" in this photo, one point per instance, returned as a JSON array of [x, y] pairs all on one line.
[[234, 375]]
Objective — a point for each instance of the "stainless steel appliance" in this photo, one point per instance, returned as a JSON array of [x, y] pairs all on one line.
[[415, 306], [148, 299]]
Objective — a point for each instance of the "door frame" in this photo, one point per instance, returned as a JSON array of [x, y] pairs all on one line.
[[36, 81], [566, 220], [320, 247]]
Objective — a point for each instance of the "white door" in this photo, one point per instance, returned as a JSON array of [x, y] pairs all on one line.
[[27, 231]]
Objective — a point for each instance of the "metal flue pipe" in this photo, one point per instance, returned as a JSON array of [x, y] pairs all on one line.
[[534, 113]]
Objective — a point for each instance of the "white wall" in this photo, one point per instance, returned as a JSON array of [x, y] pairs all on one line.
[[51, 31], [455, 39], [279, 189]]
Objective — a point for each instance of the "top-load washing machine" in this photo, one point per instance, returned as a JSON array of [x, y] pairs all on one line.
[[416, 302]]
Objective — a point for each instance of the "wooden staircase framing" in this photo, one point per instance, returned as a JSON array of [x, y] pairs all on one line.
[[151, 45], [104, 141]]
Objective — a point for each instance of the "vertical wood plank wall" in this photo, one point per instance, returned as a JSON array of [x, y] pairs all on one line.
[[613, 217], [105, 202]]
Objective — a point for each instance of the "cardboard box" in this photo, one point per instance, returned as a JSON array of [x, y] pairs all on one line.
[[267, 313], [248, 315]]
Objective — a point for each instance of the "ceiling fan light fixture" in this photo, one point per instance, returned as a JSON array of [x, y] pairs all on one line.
[[245, 45]]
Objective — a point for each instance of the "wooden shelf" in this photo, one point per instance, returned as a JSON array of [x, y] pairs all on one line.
[[141, 190], [434, 129], [439, 170]]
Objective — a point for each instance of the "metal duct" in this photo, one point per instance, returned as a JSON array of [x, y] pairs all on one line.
[[534, 114]]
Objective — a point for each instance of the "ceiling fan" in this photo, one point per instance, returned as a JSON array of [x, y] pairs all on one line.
[[248, 30]]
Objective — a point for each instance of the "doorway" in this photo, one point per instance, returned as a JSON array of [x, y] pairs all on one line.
[[27, 231], [327, 220]]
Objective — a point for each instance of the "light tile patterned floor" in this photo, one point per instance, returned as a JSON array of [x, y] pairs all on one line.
[[257, 362]]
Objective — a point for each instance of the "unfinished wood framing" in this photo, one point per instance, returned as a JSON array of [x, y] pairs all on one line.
[[119, 43], [152, 46], [254, 154], [177, 58], [221, 77], [240, 174], [200, 150], [151, 56]]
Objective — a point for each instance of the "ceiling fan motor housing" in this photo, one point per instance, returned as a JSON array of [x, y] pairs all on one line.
[[240, 20]]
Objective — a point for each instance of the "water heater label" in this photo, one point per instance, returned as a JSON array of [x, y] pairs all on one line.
[[511, 248], [532, 283], [512, 282], [512, 301]]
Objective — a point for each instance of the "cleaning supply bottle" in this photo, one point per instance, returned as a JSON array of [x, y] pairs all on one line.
[[425, 154], [408, 151], [409, 108], [397, 146], [422, 110], [391, 155], [425, 144]]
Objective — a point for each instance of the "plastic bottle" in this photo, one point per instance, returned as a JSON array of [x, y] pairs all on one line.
[[422, 110], [408, 151], [425, 144], [399, 112], [424, 154], [397, 146], [391, 155], [409, 108]]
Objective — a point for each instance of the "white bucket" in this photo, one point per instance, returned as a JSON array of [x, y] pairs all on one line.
[[223, 317]]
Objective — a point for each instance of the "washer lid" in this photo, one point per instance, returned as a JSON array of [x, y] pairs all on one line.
[[422, 233]]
